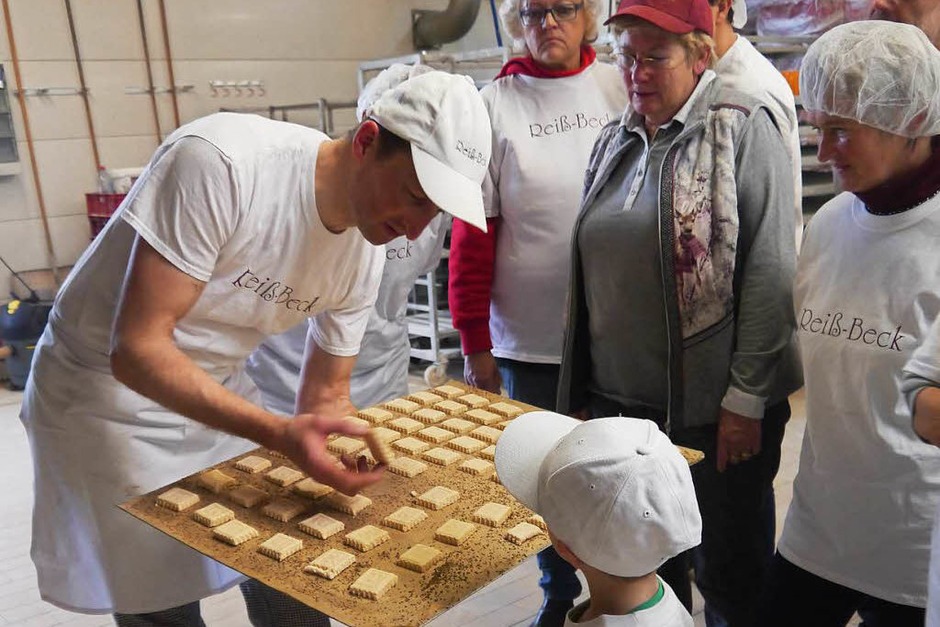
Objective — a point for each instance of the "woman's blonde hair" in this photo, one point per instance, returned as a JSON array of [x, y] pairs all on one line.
[[512, 23], [695, 43]]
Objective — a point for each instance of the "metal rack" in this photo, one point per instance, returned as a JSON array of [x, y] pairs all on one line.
[[428, 321]]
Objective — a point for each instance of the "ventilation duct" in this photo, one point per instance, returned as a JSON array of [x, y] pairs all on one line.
[[430, 29]]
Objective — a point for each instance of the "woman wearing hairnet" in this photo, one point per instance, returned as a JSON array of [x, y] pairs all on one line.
[[857, 535]]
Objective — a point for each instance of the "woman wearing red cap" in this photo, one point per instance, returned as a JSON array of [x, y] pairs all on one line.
[[507, 286], [680, 306]]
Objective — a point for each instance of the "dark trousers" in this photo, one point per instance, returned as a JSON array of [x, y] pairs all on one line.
[[797, 597], [738, 518], [537, 384], [266, 608]]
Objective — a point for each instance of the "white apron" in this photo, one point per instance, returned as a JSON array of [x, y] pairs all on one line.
[[102, 443]]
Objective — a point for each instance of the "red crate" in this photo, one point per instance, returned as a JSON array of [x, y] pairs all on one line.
[[100, 208]]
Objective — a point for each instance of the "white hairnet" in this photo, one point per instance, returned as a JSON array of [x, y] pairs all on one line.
[[880, 74], [389, 78], [740, 13]]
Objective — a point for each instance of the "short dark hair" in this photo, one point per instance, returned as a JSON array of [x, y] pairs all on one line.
[[389, 144]]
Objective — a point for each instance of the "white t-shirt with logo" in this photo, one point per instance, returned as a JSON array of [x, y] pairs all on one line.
[[543, 133], [250, 230], [866, 293]]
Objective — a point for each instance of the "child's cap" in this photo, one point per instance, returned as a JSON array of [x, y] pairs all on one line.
[[615, 490]]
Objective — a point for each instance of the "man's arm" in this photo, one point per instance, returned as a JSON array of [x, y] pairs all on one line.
[[144, 357]]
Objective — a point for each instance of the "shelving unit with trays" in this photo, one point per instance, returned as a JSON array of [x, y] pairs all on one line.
[[9, 159]]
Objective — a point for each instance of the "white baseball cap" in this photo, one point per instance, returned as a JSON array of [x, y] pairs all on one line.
[[615, 490], [740, 14], [444, 119]]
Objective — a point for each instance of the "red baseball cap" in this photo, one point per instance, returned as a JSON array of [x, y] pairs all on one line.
[[675, 16]]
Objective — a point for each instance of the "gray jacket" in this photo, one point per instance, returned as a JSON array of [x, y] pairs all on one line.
[[729, 167]]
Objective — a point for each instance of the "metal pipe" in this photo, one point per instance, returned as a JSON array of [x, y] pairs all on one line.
[[150, 86], [493, 12], [14, 57], [169, 63], [84, 88], [430, 29]]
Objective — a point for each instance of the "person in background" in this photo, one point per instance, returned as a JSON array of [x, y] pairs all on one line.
[[507, 287], [680, 306], [741, 67], [240, 227], [618, 501], [924, 14], [867, 293], [921, 385]]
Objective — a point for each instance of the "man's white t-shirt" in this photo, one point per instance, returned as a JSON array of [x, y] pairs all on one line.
[[543, 133], [866, 294], [745, 69], [229, 200]]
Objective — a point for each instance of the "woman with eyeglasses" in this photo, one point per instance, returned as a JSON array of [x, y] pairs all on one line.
[[867, 295], [680, 306], [507, 287]]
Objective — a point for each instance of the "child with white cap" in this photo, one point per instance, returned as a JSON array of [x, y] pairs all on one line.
[[618, 501]]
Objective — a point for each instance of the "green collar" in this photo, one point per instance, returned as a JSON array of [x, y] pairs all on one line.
[[653, 600]]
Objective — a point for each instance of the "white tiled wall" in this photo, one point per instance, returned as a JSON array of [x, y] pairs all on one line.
[[302, 50]]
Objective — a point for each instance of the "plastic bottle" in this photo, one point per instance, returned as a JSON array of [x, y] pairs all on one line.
[[105, 185]]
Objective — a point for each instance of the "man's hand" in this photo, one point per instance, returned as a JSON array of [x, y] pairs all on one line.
[[303, 440], [927, 415], [480, 371], [739, 438]]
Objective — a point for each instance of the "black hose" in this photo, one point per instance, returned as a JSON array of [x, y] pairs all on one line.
[[499, 38], [33, 296]]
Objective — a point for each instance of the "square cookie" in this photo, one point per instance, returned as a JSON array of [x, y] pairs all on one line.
[[438, 498], [311, 489], [351, 505], [412, 446], [424, 397], [454, 532], [330, 564], [252, 464], [522, 533], [284, 476], [420, 558], [376, 415], [366, 538], [280, 546], [177, 499], [488, 453], [474, 466], [405, 425], [407, 467], [402, 406], [491, 514], [458, 425], [429, 416], [507, 410], [482, 417], [234, 532], [345, 445], [451, 407], [216, 481], [466, 444], [487, 434], [213, 515], [448, 391], [474, 401], [379, 449], [405, 518], [247, 496], [442, 456], [321, 526], [373, 583], [436, 435], [283, 509]]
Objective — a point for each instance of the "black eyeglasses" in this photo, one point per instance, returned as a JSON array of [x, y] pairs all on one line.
[[563, 12]]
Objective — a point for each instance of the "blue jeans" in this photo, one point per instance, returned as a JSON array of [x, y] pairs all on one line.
[[738, 518], [537, 384], [797, 597]]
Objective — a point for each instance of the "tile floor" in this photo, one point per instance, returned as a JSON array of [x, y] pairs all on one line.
[[509, 601]]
